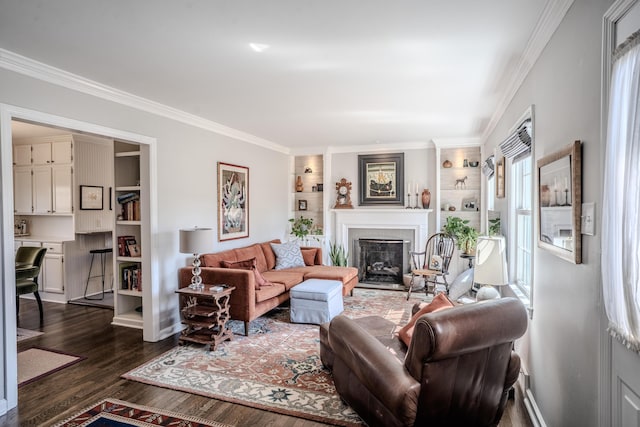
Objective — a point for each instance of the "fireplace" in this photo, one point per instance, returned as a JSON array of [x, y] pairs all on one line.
[[380, 261]]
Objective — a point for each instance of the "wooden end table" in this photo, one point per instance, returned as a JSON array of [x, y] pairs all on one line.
[[206, 314]]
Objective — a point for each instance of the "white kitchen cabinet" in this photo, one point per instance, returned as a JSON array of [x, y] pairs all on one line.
[[62, 183], [22, 155], [22, 190], [41, 154], [61, 152], [42, 194], [53, 273]]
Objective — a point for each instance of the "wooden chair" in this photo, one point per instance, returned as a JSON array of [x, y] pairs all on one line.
[[28, 262], [438, 250]]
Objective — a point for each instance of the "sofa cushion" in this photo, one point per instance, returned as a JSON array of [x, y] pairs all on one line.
[[268, 292], [253, 251], [288, 255], [269, 256], [440, 302], [215, 260], [248, 264], [325, 272], [288, 278]]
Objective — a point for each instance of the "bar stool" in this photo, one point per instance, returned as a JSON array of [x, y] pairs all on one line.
[[103, 255]]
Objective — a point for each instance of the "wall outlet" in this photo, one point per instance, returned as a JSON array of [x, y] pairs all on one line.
[[588, 219]]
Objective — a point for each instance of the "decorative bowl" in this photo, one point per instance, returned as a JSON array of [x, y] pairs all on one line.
[[474, 164]]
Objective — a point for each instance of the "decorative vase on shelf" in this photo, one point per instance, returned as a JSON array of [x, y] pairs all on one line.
[[447, 164], [299, 185], [426, 198]]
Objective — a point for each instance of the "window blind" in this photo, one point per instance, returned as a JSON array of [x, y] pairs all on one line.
[[518, 144]]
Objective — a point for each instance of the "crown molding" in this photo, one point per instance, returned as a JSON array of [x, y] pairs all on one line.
[[457, 142], [375, 148], [550, 19], [26, 66]]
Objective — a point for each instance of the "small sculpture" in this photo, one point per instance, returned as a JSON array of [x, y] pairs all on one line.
[[426, 198], [461, 183], [299, 184]]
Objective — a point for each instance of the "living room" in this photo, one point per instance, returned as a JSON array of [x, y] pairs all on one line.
[[569, 357]]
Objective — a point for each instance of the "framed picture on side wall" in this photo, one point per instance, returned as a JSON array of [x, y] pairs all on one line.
[[91, 198], [233, 201], [500, 178]]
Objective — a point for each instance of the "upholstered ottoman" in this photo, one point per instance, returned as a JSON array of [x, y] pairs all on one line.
[[316, 301]]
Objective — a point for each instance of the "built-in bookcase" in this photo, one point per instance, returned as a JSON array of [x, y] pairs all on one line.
[[130, 201]]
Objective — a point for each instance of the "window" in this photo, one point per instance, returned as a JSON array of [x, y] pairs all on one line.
[[491, 192], [522, 229]]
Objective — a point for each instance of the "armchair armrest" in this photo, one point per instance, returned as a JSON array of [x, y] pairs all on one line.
[[375, 367]]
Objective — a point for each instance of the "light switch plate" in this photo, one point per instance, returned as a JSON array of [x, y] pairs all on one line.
[[588, 219]]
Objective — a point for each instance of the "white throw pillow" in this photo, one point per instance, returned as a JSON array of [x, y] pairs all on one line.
[[288, 255]]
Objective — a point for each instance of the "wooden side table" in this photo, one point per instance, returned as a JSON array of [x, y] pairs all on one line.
[[206, 314]]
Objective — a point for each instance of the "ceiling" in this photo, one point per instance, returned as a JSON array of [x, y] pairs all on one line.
[[336, 72]]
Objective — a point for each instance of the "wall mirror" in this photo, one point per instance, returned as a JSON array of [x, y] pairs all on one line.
[[560, 203]]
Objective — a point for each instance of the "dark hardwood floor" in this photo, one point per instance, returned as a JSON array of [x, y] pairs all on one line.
[[112, 351]]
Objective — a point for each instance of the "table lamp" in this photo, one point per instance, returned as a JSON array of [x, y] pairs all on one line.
[[490, 267], [196, 241]]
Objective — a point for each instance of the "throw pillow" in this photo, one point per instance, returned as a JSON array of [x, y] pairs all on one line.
[[440, 302], [309, 255], [288, 255], [249, 264]]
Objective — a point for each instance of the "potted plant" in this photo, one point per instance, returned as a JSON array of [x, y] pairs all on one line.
[[465, 236], [494, 226], [338, 255], [301, 227]]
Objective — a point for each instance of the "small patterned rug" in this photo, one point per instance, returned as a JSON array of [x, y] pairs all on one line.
[[35, 363], [277, 367], [25, 334], [116, 413]]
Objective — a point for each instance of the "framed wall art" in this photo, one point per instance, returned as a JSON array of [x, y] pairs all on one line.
[[381, 179], [560, 203], [233, 201], [91, 198]]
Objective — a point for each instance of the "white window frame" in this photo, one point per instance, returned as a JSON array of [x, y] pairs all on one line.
[[521, 196]]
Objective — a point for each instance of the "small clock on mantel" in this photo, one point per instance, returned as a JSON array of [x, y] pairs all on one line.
[[343, 201]]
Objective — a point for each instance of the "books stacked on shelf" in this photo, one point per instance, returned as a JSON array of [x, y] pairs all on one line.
[[130, 276], [130, 203], [128, 246]]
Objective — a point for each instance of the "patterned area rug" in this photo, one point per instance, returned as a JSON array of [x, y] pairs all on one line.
[[116, 413], [25, 334], [277, 367], [35, 363]]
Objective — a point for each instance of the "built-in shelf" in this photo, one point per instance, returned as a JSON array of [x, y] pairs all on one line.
[[127, 154], [122, 222], [130, 293], [128, 188]]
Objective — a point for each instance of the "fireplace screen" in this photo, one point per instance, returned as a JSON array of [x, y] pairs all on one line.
[[380, 261]]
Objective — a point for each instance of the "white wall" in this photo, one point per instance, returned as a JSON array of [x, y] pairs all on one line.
[[563, 339], [186, 178]]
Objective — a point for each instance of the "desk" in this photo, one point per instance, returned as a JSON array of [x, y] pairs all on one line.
[[206, 314]]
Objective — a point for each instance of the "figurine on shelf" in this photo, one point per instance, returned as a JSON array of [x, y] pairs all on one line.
[[299, 184], [426, 198]]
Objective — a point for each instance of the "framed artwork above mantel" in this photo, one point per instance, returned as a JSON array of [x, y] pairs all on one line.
[[381, 179]]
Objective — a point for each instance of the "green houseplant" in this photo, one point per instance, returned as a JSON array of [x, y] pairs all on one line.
[[338, 255], [494, 226], [466, 236], [301, 227]]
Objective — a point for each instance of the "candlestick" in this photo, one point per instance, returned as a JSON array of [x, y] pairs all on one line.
[[408, 200], [416, 206]]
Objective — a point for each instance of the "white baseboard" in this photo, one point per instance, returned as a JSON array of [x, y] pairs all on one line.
[[3, 406], [532, 409]]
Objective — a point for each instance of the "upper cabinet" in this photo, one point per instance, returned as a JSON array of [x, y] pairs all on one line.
[[43, 176], [460, 184]]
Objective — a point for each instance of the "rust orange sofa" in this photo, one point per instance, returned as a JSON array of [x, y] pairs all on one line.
[[249, 302]]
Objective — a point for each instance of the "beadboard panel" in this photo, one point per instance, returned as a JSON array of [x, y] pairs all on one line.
[[93, 165]]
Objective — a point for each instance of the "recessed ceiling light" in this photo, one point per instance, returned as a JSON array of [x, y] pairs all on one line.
[[259, 47]]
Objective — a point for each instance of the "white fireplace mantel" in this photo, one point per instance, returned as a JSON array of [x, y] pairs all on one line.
[[381, 218]]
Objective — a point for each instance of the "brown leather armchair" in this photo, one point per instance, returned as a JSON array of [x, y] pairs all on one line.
[[457, 370]]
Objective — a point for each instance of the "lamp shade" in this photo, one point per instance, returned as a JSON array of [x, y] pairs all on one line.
[[196, 240], [491, 262]]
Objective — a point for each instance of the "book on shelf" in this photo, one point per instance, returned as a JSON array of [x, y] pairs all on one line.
[[124, 243], [127, 197], [130, 276], [134, 250], [131, 210]]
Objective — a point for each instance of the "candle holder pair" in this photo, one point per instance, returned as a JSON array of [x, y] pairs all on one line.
[[416, 206]]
